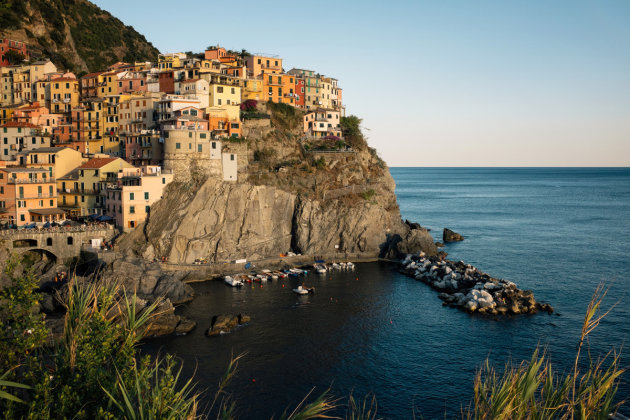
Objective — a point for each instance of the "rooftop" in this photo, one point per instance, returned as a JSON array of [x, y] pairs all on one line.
[[96, 163]]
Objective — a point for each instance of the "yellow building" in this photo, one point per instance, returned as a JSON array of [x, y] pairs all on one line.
[[64, 94], [221, 95], [252, 89], [80, 190], [6, 114], [109, 84], [57, 161], [170, 61]]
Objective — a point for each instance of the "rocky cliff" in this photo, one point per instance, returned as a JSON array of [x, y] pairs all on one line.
[[297, 195], [75, 34]]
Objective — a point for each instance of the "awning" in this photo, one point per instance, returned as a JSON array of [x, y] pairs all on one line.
[[46, 212]]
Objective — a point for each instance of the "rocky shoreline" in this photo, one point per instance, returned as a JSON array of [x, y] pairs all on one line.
[[467, 288]]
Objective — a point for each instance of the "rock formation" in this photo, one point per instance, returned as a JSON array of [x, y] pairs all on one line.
[[337, 203], [225, 323], [450, 236]]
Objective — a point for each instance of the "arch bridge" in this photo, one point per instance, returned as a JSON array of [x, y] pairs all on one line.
[[61, 243]]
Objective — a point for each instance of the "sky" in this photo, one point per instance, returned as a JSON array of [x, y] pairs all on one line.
[[439, 83]]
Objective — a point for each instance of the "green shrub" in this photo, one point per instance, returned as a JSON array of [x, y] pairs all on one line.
[[367, 195]]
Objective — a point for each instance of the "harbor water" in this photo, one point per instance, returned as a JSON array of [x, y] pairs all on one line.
[[558, 232]]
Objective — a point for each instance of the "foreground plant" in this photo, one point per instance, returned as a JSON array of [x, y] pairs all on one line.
[[94, 361], [534, 390]]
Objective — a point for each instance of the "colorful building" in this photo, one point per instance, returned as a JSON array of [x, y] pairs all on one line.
[[259, 64], [17, 137], [28, 195], [322, 123], [129, 201], [7, 45], [64, 94], [80, 189]]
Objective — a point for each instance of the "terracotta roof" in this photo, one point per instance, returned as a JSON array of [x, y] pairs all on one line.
[[20, 124], [191, 81], [96, 163], [90, 75], [64, 79]]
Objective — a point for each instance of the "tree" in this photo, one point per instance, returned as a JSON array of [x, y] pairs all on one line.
[[14, 57]]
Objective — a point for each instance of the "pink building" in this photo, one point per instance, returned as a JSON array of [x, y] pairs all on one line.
[[132, 81], [129, 202]]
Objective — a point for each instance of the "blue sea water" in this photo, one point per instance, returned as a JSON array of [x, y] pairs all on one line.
[[558, 232]]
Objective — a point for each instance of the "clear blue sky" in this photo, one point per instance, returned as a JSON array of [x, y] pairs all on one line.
[[440, 83]]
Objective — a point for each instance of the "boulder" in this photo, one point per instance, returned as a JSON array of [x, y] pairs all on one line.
[[450, 236], [164, 322], [225, 323], [185, 326]]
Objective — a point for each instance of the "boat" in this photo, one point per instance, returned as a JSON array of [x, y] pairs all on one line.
[[301, 290], [280, 274], [350, 266], [320, 268], [336, 266], [234, 282], [270, 274]]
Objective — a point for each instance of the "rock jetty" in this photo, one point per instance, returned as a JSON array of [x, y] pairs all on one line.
[[225, 323], [465, 287]]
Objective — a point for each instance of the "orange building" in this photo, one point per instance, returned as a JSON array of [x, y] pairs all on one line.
[[259, 64], [279, 88], [28, 195]]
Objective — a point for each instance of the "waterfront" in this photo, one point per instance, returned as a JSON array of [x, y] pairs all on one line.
[[557, 232]]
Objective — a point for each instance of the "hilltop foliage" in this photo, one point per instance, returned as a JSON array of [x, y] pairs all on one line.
[[99, 38]]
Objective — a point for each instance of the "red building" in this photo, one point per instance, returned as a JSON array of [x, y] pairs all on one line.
[[299, 92], [167, 81], [7, 45]]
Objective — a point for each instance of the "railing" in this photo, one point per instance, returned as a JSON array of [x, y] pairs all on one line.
[[7, 233], [42, 195], [30, 181], [79, 191]]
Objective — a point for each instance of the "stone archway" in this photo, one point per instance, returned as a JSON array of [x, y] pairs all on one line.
[[41, 259]]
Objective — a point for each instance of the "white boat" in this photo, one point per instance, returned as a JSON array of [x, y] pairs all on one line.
[[297, 271], [232, 281], [301, 290], [320, 268], [350, 266], [336, 266]]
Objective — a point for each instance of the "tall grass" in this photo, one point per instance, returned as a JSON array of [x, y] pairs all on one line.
[[534, 390]]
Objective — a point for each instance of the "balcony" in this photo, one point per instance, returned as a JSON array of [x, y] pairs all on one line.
[[79, 191], [35, 196], [30, 180]]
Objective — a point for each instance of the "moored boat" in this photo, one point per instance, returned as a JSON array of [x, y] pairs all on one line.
[[232, 281]]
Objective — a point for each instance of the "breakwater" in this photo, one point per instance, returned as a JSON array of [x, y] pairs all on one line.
[[466, 287]]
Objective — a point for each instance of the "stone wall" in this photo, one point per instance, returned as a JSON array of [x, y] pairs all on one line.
[[61, 242]]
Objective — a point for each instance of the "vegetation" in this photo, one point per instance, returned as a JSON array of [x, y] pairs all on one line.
[[367, 195], [535, 391], [95, 32], [265, 156], [93, 369], [255, 116], [14, 57], [284, 116], [235, 140]]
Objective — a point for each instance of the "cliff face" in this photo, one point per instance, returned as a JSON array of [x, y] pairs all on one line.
[[290, 199], [75, 34]]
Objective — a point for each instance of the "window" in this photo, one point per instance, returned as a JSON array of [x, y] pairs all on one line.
[[219, 101], [70, 240], [189, 146], [132, 209], [49, 242], [214, 145], [233, 90], [202, 135], [146, 195], [147, 209], [178, 146], [131, 196], [199, 148], [231, 157], [219, 89], [163, 180]]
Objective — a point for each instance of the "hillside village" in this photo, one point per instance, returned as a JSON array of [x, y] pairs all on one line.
[[105, 145]]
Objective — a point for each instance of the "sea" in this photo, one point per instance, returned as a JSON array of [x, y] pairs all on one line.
[[375, 333]]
